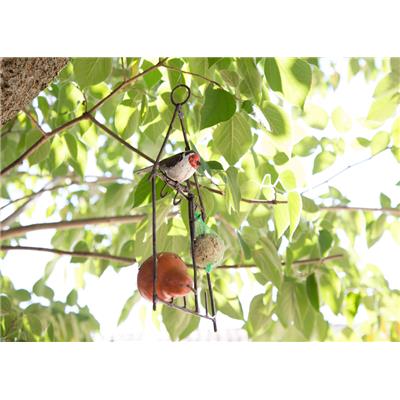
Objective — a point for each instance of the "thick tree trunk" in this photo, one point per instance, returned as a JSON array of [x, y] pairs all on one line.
[[22, 79]]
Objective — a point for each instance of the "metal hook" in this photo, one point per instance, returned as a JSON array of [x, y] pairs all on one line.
[[162, 193], [176, 200], [177, 103]]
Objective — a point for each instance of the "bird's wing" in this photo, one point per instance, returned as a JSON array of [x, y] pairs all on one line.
[[173, 160]]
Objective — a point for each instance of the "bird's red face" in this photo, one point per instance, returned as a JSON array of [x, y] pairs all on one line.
[[194, 160]]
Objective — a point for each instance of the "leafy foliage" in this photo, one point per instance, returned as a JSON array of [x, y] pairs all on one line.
[[253, 121]]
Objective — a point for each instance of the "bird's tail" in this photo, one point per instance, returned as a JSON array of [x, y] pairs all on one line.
[[143, 170]]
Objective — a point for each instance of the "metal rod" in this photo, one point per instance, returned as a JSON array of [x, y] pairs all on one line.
[[184, 301], [210, 289], [155, 166], [186, 310], [205, 302], [154, 228], [202, 209], [192, 237]]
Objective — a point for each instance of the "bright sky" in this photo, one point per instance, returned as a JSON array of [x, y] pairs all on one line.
[[106, 295]]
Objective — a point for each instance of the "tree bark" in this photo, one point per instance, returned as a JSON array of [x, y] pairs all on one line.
[[22, 79]]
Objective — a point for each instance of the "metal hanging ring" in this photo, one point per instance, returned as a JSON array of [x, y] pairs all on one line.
[[175, 103]]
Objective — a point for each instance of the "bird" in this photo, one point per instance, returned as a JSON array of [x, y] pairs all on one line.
[[179, 167], [173, 279]]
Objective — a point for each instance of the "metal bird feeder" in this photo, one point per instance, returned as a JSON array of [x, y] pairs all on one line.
[[185, 190]]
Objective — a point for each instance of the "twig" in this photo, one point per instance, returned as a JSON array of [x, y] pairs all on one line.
[[394, 211], [296, 262], [77, 223], [35, 123], [41, 141], [87, 254], [194, 74], [8, 220], [252, 201], [99, 180], [344, 170], [126, 83], [119, 139]]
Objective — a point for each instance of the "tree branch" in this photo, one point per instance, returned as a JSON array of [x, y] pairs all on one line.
[[77, 223], [126, 83], [296, 262], [394, 211], [344, 170], [127, 260], [119, 139], [74, 121], [252, 201], [87, 254], [41, 141]]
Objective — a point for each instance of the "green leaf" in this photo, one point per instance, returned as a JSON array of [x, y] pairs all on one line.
[[296, 79], [295, 208], [126, 309], [309, 205], [177, 322], [379, 142], [219, 106], [230, 307], [232, 189], [21, 295], [325, 241], [330, 289], [81, 246], [126, 120], [72, 297], [281, 218], [153, 77], [261, 308], [278, 121], [375, 230], [90, 71], [43, 150], [292, 304], [250, 86], [268, 261], [41, 289], [280, 158], [323, 161], [396, 132], [312, 291], [382, 108], [387, 85], [34, 324], [306, 146], [272, 74], [341, 120], [395, 66], [128, 249], [5, 305], [363, 142], [288, 180], [233, 138], [396, 152], [352, 302], [315, 116], [71, 144], [385, 201]]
